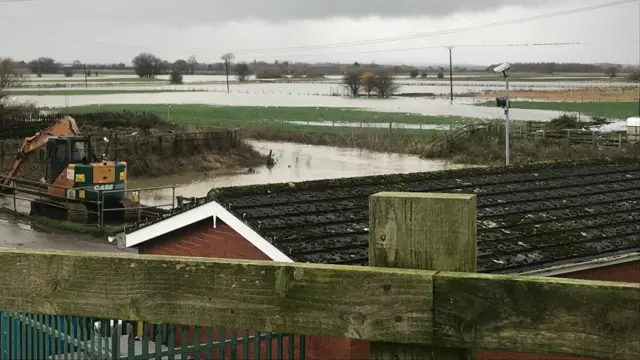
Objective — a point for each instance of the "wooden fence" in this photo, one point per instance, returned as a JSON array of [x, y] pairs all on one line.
[[15, 127], [419, 300], [539, 131]]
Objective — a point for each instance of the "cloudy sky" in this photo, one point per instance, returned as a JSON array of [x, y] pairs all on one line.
[[302, 30]]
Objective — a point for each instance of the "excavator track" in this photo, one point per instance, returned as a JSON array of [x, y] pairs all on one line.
[[73, 212]]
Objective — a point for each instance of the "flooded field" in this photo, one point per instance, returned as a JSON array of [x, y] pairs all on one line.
[[488, 79], [295, 162], [318, 87], [460, 107]]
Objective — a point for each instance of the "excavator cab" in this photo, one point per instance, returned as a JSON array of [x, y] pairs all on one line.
[[63, 151], [74, 170]]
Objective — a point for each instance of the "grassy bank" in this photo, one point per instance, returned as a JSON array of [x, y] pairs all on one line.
[[241, 116], [487, 147], [616, 110], [403, 141], [274, 124], [45, 223], [92, 92]]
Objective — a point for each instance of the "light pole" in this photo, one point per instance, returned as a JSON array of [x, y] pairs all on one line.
[[504, 103]]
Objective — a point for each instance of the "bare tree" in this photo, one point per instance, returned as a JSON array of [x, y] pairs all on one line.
[[193, 64], [9, 77], [385, 86], [242, 71], [352, 80], [227, 58]]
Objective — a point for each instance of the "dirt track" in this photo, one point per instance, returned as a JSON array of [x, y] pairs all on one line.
[[572, 95]]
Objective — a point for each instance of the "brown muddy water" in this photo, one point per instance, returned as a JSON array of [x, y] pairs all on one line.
[[294, 163]]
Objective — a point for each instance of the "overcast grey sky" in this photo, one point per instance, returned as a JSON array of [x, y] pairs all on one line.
[[116, 30]]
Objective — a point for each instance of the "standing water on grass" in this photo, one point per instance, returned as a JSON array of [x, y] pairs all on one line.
[[294, 163], [461, 107]]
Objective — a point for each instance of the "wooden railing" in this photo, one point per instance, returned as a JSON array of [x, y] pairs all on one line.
[[447, 137], [414, 311]]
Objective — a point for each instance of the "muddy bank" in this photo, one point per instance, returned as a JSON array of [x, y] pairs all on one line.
[[153, 155]]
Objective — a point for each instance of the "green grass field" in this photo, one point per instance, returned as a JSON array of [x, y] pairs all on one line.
[[616, 110], [244, 116], [90, 92]]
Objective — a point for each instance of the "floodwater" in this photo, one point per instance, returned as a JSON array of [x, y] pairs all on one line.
[[295, 162], [483, 81], [460, 107], [324, 87]]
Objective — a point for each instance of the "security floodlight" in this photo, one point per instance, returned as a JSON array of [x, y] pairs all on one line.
[[502, 68]]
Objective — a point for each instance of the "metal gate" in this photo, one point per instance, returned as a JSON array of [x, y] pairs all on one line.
[[33, 336]]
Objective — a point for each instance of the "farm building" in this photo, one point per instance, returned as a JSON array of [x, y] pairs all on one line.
[[565, 219]]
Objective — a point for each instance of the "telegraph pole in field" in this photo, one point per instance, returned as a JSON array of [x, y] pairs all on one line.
[[86, 84], [451, 72]]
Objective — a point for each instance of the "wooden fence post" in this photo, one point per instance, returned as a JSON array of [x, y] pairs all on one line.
[[620, 140], [422, 231], [1, 155]]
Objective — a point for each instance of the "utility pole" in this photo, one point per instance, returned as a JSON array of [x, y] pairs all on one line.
[[226, 69], [450, 72], [86, 84], [227, 60]]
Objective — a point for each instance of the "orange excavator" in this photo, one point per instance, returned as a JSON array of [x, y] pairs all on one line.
[[78, 184]]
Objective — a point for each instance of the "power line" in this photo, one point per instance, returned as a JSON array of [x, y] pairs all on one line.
[[441, 32], [548, 44]]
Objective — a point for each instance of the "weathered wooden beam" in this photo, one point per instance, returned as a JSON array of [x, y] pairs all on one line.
[[338, 301], [556, 316], [513, 313], [422, 231]]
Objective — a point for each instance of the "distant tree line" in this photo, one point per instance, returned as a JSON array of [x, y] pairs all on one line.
[[150, 65]]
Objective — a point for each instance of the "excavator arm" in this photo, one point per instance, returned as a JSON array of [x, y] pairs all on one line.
[[65, 126]]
